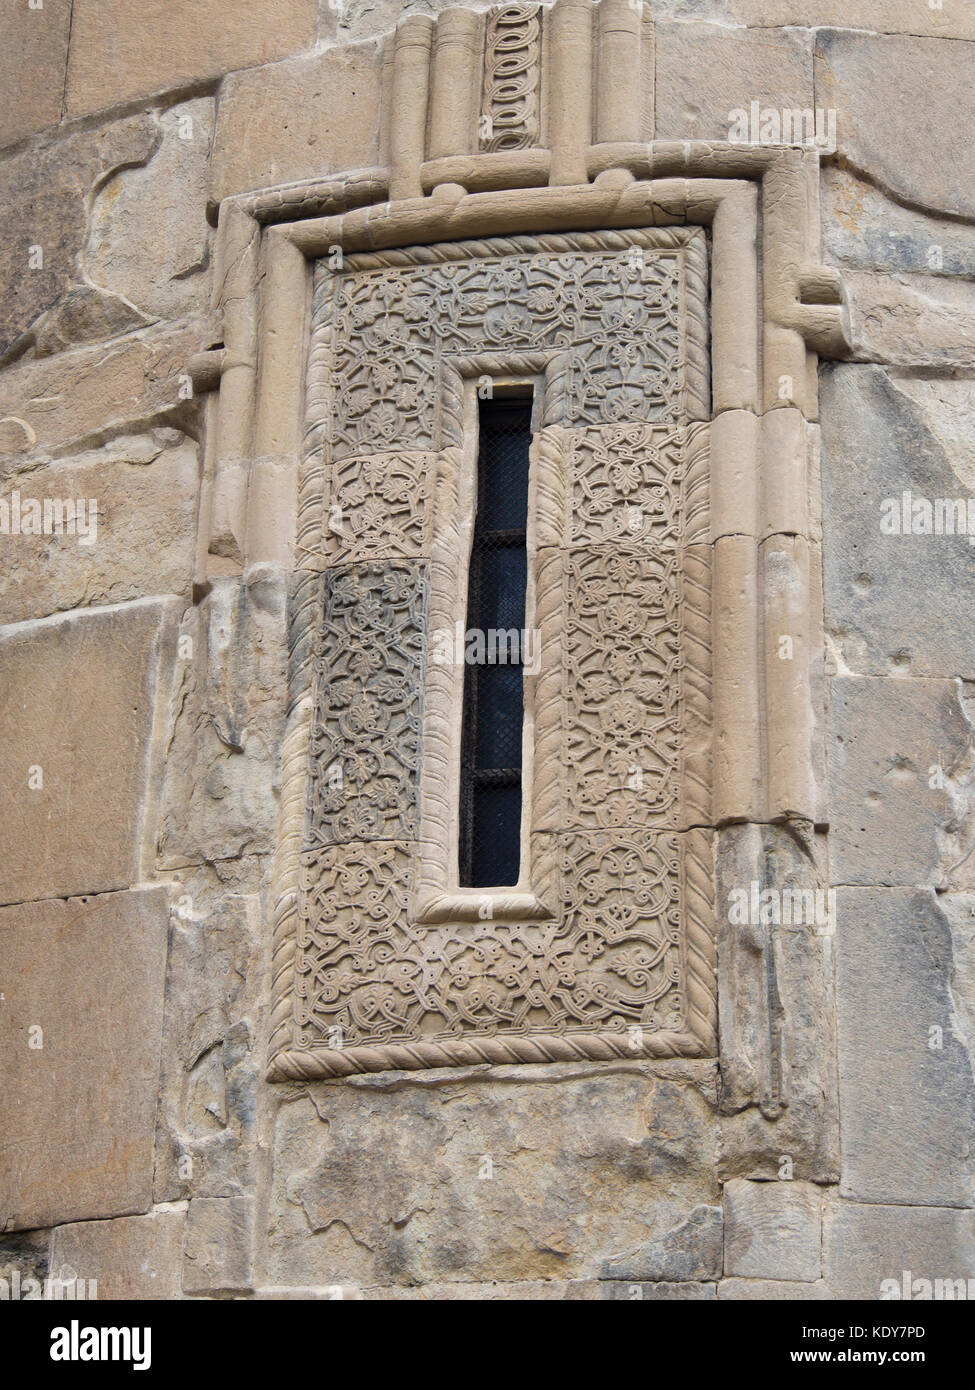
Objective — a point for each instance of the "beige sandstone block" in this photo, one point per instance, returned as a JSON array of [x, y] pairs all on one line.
[[297, 120], [773, 1230], [120, 50], [33, 57], [149, 240], [43, 224], [376, 1180], [703, 72], [91, 394], [130, 1257], [79, 1096], [76, 715], [145, 489], [217, 1248], [899, 102], [912, 320], [954, 20]]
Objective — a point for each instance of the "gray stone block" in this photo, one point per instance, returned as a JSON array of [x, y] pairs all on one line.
[[773, 1230], [866, 1245], [896, 604], [907, 1104], [889, 737]]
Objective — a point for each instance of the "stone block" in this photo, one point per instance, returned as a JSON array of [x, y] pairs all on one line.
[[704, 72], [915, 145], [894, 747], [44, 197], [80, 399], [866, 1245], [33, 58], [211, 1056], [218, 1245], [76, 719], [144, 489], [907, 1101], [690, 1251], [865, 230], [952, 21], [80, 1028], [897, 604], [301, 119], [911, 320], [538, 1173], [776, 1006], [773, 1230], [226, 723], [149, 241], [770, 1291], [131, 1257], [120, 51]]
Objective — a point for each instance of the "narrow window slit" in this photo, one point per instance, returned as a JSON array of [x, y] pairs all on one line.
[[494, 702]]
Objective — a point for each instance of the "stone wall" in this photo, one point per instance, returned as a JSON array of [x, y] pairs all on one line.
[[142, 714]]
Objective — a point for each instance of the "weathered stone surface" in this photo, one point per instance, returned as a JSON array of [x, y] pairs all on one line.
[[211, 1055], [776, 1008], [76, 719], [225, 730], [76, 1113], [297, 120], [895, 747], [218, 1245], [24, 1255], [376, 1180], [865, 230], [896, 604], [689, 1251], [770, 1290], [911, 320], [773, 1230], [145, 490], [33, 58], [907, 1101], [149, 240], [704, 72], [882, 16], [959, 911], [131, 1257], [865, 1245], [890, 139], [85, 397], [119, 51], [44, 200]]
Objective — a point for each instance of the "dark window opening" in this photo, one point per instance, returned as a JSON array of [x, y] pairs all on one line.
[[494, 701]]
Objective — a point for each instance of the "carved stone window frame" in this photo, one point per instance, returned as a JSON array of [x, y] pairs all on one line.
[[773, 308]]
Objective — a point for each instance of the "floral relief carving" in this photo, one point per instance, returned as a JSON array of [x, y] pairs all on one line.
[[621, 687], [611, 961], [367, 704], [625, 484], [380, 507], [616, 319], [613, 955]]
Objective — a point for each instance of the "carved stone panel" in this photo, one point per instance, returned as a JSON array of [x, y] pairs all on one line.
[[606, 946]]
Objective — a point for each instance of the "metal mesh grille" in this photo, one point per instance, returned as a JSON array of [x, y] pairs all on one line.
[[490, 806]]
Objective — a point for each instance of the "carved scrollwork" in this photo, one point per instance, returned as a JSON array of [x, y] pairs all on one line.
[[620, 962], [512, 67], [367, 703], [611, 962]]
